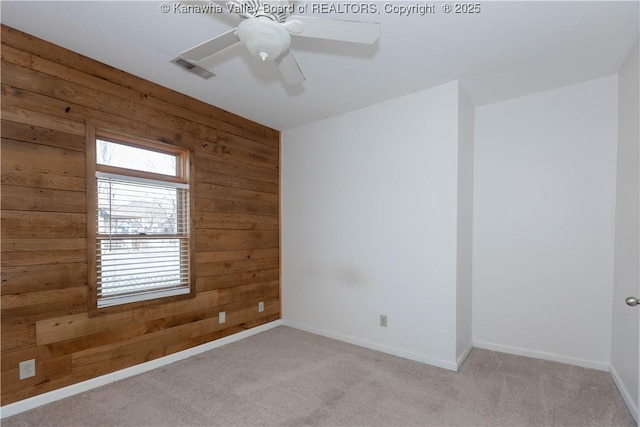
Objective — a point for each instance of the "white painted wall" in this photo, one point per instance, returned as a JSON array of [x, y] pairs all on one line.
[[465, 226], [626, 320], [369, 226], [544, 200]]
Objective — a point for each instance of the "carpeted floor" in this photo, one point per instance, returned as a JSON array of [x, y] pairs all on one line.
[[288, 377]]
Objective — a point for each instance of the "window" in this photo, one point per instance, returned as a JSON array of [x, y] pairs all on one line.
[[142, 221]]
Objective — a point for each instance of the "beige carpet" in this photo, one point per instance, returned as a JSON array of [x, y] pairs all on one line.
[[288, 377]]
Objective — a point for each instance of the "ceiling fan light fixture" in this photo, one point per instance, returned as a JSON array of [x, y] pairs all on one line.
[[264, 38]]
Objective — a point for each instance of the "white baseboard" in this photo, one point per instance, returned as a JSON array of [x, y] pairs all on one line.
[[463, 356], [52, 396], [633, 406], [600, 366], [374, 346]]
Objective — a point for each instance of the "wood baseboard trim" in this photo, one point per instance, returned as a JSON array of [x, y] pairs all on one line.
[[600, 366], [464, 355], [624, 392], [452, 366]]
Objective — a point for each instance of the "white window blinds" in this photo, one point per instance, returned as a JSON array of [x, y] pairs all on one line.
[[142, 245]]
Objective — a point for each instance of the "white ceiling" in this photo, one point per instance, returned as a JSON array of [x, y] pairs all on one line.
[[509, 49]]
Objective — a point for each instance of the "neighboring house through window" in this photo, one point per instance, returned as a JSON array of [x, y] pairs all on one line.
[[142, 220]]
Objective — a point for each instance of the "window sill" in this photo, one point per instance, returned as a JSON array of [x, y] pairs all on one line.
[[120, 300]]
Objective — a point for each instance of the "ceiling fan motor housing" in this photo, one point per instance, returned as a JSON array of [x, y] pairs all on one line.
[[268, 27], [276, 10]]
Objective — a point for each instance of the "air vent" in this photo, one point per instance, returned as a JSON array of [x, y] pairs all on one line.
[[192, 68]]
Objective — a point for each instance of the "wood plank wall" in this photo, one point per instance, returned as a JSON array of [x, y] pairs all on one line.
[[49, 95]]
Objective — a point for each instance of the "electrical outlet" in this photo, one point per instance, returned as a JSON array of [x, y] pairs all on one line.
[[222, 317], [261, 306], [383, 320], [27, 369]]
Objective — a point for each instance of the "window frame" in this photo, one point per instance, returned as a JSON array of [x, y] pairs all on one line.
[[184, 175]]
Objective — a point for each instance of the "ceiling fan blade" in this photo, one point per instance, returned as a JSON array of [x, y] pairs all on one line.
[[289, 68], [334, 29], [212, 46]]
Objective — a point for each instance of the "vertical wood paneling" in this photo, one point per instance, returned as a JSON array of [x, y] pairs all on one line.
[[49, 95]]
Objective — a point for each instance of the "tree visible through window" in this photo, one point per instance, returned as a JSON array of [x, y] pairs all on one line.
[[142, 221]]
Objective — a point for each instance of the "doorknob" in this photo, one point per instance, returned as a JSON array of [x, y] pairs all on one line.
[[632, 301]]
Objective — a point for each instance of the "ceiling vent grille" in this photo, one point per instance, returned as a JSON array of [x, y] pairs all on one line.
[[192, 68]]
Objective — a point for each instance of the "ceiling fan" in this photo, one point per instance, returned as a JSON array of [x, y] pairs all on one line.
[[266, 32]]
